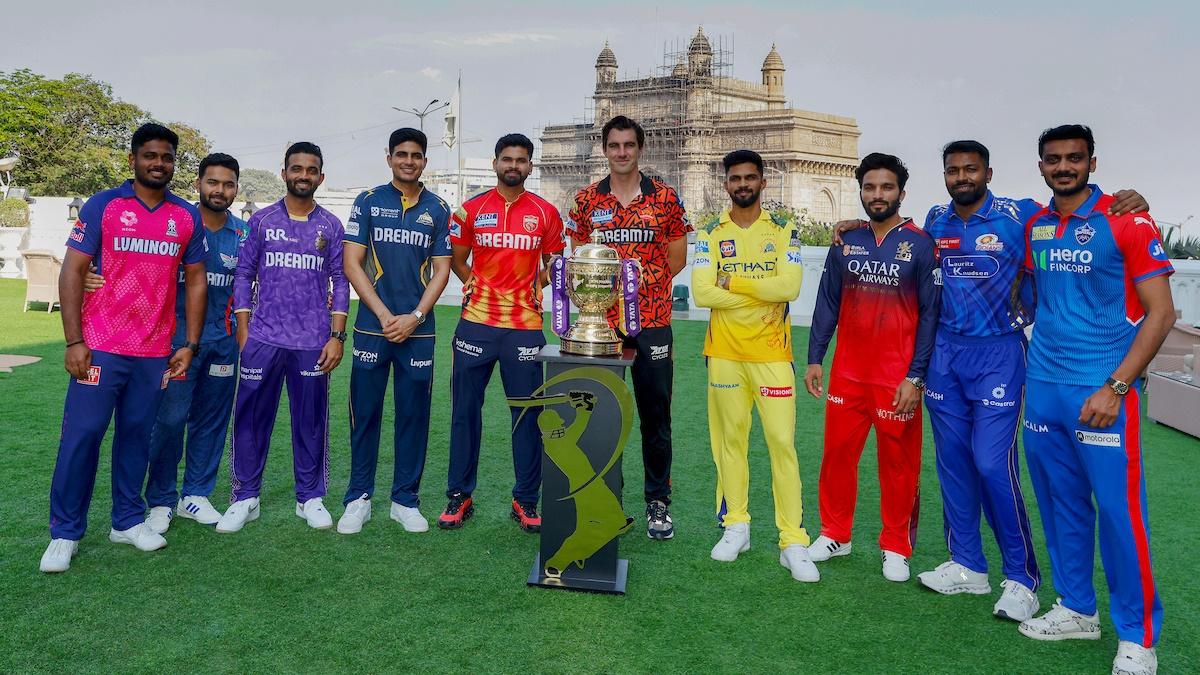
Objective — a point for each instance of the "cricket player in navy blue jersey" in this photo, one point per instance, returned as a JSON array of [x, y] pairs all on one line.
[[397, 257]]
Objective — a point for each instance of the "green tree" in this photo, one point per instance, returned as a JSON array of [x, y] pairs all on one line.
[[73, 135], [261, 185]]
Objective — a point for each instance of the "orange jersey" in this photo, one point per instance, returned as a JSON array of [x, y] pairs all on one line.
[[640, 231], [507, 240]]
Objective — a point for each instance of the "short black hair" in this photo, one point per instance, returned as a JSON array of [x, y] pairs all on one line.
[[151, 131], [742, 157], [219, 159], [878, 160], [304, 147], [975, 147], [1067, 132], [624, 124], [514, 140], [406, 135]]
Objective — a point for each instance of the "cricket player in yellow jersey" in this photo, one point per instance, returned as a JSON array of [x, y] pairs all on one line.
[[747, 269]]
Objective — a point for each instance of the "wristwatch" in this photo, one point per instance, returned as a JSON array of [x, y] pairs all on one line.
[[1119, 388], [194, 346], [339, 335], [916, 382], [420, 316]]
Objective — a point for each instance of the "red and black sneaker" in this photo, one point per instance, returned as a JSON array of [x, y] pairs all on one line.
[[457, 511], [526, 516]]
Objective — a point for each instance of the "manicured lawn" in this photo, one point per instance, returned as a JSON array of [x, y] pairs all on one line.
[[281, 597]]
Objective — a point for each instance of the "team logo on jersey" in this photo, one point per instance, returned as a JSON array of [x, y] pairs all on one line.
[[1156, 250], [229, 261], [1042, 233], [486, 220], [425, 219], [1084, 233], [601, 216], [128, 218], [988, 242], [904, 251], [93, 376], [728, 248], [702, 246], [321, 241], [768, 246], [949, 242], [171, 231], [530, 223], [937, 276]]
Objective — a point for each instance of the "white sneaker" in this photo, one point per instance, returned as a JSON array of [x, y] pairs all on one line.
[[1134, 659], [895, 566], [198, 509], [238, 514], [1061, 623], [410, 517], [825, 548], [357, 512], [140, 536], [159, 519], [735, 540], [797, 559], [57, 557], [1018, 602], [951, 578], [314, 512]]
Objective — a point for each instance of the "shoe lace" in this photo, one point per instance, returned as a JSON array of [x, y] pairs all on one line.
[[1012, 588], [657, 512], [456, 503], [528, 510]]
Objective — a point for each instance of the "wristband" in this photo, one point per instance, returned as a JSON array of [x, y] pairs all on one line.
[[72, 344]]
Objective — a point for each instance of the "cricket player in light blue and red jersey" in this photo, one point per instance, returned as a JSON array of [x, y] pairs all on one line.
[[119, 340], [1104, 308], [291, 327], [879, 292]]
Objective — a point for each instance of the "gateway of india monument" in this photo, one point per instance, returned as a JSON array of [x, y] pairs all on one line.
[[694, 112]]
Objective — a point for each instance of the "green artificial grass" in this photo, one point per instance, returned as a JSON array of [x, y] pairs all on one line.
[[281, 597]]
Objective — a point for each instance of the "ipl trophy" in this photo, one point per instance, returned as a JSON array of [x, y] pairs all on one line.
[[593, 278]]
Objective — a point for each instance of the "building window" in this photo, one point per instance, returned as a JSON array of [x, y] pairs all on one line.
[[823, 210]]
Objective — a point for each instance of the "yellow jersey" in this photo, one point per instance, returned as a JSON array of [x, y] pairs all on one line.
[[750, 321]]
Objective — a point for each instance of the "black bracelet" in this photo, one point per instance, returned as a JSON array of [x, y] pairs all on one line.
[[72, 344]]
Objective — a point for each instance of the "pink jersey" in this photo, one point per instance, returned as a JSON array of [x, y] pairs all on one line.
[[138, 250]]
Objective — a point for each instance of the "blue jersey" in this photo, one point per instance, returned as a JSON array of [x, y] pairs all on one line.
[[985, 291], [223, 246], [1086, 265], [401, 239]]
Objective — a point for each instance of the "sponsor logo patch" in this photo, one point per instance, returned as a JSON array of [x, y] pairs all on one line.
[[413, 363], [937, 276], [352, 228], [1042, 233], [854, 249], [794, 257], [935, 395], [527, 353], [949, 242], [570, 225], [128, 218], [728, 248], [970, 266], [220, 370], [455, 229], [93, 376], [363, 356], [486, 220], [1096, 438], [702, 261], [600, 216], [1156, 250], [722, 385], [658, 352], [467, 348], [836, 400], [775, 392], [1036, 427], [702, 246]]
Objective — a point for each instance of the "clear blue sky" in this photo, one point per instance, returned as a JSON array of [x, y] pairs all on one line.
[[253, 76]]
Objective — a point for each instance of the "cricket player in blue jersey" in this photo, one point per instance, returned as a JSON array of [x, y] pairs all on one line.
[[397, 257], [1104, 308]]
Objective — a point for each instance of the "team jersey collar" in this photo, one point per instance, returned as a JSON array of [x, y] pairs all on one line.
[[898, 227], [126, 190], [764, 218], [604, 187], [1085, 209], [400, 195], [983, 212]]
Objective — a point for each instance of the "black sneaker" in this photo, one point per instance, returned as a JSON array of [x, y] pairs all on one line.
[[457, 511], [658, 521]]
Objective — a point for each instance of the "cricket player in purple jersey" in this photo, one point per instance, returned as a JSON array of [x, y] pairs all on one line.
[[292, 331]]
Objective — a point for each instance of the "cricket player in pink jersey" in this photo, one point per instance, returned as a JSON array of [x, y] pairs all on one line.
[[119, 340]]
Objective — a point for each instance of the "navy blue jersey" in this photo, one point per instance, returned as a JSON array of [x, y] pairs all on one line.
[[401, 239], [219, 266], [882, 298], [985, 291]]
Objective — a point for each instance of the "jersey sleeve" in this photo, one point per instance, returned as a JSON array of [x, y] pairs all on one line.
[[930, 217], [676, 224], [825, 313], [785, 285], [462, 227], [552, 241], [337, 276], [579, 221], [85, 235], [1138, 239], [704, 277], [929, 295], [358, 227], [441, 234], [197, 246], [247, 267]]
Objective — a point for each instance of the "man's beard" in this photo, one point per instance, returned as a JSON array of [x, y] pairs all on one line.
[[891, 210], [1075, 189], [969, 197], [745, 200], [152, 183], [301, 193], [206, 203], [511, 179]]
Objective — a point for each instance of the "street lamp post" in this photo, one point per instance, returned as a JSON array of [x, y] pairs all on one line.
[[429, 109]]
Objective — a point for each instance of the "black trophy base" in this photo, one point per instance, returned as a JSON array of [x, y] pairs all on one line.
[[577, 580]]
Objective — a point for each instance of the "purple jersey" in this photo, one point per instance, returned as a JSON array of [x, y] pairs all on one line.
[[294, 264]]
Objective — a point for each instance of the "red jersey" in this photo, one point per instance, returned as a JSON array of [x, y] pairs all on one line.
[[640, 231], [507, 240]]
